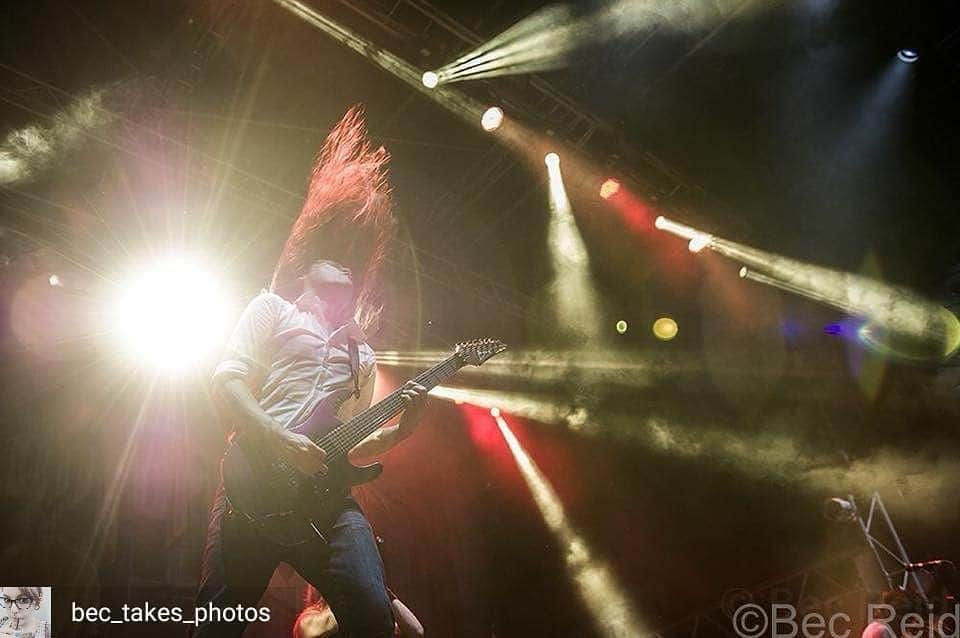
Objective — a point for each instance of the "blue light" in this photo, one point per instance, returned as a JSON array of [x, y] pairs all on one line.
[[833, 329]]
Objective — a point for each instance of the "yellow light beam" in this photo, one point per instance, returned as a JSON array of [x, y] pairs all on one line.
[[905, 323], [586, 367], [548, 38], [575, 300], [612, 613], [456, 102], [577, 418]]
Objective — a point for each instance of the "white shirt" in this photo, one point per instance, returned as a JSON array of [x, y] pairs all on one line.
[[291, 363]]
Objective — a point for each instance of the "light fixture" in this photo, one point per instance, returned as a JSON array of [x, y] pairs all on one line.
[[492, 118], [908, 55]]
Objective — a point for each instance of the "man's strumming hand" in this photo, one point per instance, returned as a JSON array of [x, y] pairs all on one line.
[[305, 455]]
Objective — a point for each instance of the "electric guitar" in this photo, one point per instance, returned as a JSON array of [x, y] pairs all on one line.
[[290, 507]]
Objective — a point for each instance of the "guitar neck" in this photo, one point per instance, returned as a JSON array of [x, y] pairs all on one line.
[[342, 439]]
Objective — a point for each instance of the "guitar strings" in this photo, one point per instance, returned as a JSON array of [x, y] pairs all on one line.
[[341, 437]]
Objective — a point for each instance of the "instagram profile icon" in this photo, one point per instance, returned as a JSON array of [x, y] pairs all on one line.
[[24, 612]]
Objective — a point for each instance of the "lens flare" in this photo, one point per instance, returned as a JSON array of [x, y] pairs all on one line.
[[665, 328], [172, 314], [609, 188]]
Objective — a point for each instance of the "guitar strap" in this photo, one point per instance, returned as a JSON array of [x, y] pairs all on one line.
[[354, 350]]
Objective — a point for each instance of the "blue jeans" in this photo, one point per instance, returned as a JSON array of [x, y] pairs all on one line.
[[348, 571]]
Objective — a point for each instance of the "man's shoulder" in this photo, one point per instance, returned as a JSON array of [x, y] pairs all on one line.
[[269, 301]]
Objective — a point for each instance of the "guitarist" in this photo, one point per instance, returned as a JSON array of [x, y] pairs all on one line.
[[292, 347]]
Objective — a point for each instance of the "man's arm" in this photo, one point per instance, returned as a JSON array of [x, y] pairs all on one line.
[[245, 356], [303, 453]]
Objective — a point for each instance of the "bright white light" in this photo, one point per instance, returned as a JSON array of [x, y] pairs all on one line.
[[492, 118], [908, 55], [680, 230], [699, 242], [55, 280], [552, 160], [494, 412], [430, 79], [172, 314]]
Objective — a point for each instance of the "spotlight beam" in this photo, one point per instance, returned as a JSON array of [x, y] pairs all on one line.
[[575, 300], [548, 38], [898, 312], [456, 102], [552, 369], [528, 406], [610, 610]]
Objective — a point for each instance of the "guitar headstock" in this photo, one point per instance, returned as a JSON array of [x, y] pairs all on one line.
[[477, 351]]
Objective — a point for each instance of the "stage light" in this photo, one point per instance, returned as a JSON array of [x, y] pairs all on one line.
[[55, 280], [898, 322], [492, 118], [908, 55], [494, 412], [665, 328], [621, 326], [552, 37], [839, 510], [458, 103], [172, 314], [572, 292], [699, 242], [596, 583], [609, 188], [681, 230]]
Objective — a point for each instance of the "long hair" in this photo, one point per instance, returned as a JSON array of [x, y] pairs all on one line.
[[347, 215]]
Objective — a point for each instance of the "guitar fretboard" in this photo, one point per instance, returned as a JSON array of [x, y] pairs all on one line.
[[341, 440]]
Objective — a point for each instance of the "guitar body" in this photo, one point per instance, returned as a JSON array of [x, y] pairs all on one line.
[[291, 508], [282, 504]]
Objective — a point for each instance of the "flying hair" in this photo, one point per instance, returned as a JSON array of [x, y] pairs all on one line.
[[347, 215]]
